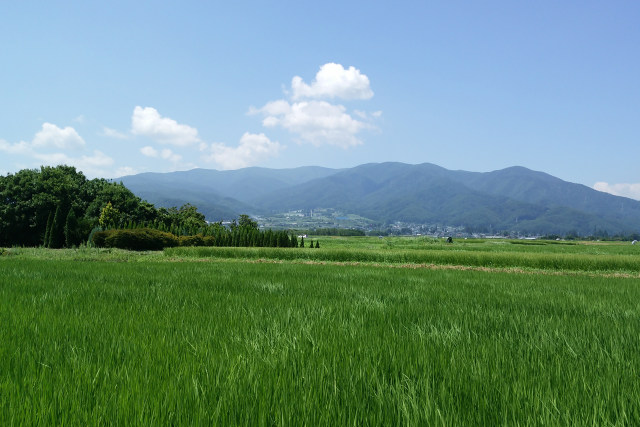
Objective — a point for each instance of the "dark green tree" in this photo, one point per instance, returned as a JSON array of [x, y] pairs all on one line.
[[190, 219], [47, 234], [56, 240], [72, 235], [245, 221]]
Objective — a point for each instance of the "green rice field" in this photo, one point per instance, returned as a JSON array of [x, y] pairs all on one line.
[[363, 331]]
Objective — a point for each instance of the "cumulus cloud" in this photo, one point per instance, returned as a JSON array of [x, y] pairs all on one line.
[[631, 191], [21, 148], [98, 159], [333, 81], [49, 137], [148, 122], [95, 165], [253, 148], [48, 148], [53, 136], [316, 122]]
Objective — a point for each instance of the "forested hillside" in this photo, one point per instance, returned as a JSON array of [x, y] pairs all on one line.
[[513, 199]]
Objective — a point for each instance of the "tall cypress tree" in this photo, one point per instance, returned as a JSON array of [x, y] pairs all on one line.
[[56, 240], [47, 232], [71, 230]]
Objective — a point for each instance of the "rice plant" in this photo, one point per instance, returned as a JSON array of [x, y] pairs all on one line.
[[151, 339]]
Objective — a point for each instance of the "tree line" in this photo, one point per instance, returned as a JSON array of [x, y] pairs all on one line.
[[59, 207]]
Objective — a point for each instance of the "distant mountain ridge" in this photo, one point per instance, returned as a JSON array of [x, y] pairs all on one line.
[[218, 194], [515, 198]]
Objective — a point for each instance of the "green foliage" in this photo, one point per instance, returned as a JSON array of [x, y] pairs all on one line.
[[142, 239], [245, 221], [337, 232], [197, 240], [89, 341], [109, 216], [56, 238], [29, 197], [510, 256], [72, 235], [47, 234]]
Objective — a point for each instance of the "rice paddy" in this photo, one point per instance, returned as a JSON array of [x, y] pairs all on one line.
[[353, 333]]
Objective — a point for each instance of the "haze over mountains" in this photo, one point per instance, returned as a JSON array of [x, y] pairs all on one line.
[[513, 199]]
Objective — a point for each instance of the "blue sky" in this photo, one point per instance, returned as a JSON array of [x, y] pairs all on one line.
[[116, 88]]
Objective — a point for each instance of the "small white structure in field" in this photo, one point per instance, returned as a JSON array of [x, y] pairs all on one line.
[[634, 242]]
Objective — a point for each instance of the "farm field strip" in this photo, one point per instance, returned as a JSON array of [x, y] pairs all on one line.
[[566, 262], [510, 270]]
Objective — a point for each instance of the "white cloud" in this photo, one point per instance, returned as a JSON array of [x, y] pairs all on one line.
[[95, 165], [316, 122], [53, 136], [252, 149], [631, 191], [124, 171], [164, 154], [149, 151], [148, 122], [170, 155], [98, 159], [112, 133], [362, 114], [21, 148], [333, 81], [50, 137], [48, 146]]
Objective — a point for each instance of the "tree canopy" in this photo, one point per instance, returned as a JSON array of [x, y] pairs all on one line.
[[58, 206]]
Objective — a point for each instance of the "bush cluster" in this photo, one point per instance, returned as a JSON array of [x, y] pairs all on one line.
[[141, 239]]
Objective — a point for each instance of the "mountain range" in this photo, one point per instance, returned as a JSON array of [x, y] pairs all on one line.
[[514, 199]]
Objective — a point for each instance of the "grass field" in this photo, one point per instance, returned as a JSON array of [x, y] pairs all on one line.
[[360, 332]]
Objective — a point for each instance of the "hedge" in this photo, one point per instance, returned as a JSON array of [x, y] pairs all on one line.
[[141, 239]]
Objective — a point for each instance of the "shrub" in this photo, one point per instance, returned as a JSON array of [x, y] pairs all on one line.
[[97, 237], [196, 240], [141, 239]]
